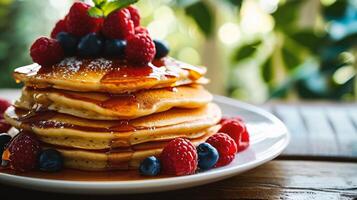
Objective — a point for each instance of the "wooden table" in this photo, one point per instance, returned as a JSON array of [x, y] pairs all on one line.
[[319, 163]]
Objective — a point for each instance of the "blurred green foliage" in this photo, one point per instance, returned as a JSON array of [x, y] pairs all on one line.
[[316, 62]]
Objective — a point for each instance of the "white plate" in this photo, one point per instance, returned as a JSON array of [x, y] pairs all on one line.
[[269, 137]]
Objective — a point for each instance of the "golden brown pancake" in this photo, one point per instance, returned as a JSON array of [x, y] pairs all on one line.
[[70, 131], [104, 106], [118, 159], [113, 76]]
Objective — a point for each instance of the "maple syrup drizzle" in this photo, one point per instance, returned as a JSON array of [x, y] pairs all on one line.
[[113, 71]]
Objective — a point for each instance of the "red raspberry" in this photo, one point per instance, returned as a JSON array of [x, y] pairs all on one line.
[[118, 25], [46, 51], [237, 130], [4, 104], [225, 146], [22, 152], [78, 21], [134, 15], [4, 126], [179, 157], [59, 27], [141, 30], [140, 49], [225, 160], [224, 119]]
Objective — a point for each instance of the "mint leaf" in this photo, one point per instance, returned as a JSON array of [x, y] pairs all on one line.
[[95, 12], [99, 3], [116, 5]]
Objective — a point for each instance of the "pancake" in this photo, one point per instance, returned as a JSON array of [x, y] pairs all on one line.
[[113, 76], [104, 106], [70, 131], [118, 159]]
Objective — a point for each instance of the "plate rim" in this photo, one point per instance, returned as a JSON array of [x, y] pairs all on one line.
[[153, 185]]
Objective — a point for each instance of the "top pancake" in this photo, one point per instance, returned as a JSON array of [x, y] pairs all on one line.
[[112, 76], [104, 106]]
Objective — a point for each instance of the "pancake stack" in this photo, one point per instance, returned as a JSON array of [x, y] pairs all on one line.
[[105, 114]]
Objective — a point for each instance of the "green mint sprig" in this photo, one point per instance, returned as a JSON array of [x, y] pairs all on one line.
[[103, 8]]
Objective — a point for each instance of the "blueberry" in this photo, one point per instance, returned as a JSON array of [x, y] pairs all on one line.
[[207, 156], [68, 42], [114, 47], [50, 160], [90, 45], [150, 166], [4, 139], [162, 49]]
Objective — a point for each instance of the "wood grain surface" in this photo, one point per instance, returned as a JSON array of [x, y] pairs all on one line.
[[274, 180]]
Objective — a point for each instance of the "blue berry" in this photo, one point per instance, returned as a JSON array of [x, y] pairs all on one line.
[[114, 47], [207, 156], [90, 45], [68, 42], [162, 49], [4, 140], [150, 166], [50, 160]]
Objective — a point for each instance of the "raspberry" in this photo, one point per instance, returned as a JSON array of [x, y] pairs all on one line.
[[22, 152], [118, 25], [78, 21], [224, 160], [225, 146], [141, 30], [3, 106], [179, 157], [4, 126], [134, 15], [59, 27], [236, 129], [46, 51], [224, 119], [140, 49]]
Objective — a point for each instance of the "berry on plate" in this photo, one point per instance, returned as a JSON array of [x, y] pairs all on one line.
[[4, 126], [59, 27], [50, 160], [22, 152], [46, 51], [134, 15], [140, 49], [4, 104], [68, 42], [207, 156], [114, 47], [162, 49], [78, 21], [150, 166], [226, 147], [179, 157], [236, 128], [118, 25], [90, 45], [4, 140]]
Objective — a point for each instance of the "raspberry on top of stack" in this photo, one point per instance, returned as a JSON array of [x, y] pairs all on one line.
[[103, 95]]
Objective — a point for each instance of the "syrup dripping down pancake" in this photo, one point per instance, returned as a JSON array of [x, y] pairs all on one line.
[[118, 159], [104, 106], [70, 131], [112, 76]]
